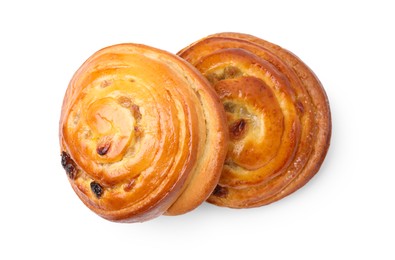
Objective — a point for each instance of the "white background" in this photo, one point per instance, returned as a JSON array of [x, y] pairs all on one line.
[[345, 212]]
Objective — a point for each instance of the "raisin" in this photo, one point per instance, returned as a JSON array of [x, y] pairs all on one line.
[[220, 191], [136, 112], [70, 170], [65, 158], [97, 189], [300, 107], [124, 101], [237, 129], [103, 149], [69, 165]]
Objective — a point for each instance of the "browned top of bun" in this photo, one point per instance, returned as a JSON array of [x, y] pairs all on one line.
[[278, 117], [141, 131]]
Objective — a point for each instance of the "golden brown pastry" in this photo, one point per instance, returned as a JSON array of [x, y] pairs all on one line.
[[278, 117], [142, 133]]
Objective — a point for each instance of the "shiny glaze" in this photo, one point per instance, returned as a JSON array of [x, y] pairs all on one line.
[[286, 110], [135, 121]]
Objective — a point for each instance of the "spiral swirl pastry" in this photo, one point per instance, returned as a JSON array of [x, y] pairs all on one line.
[[277, 112], [142, 133]]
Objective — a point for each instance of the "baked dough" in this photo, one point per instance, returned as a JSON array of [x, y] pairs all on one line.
[[278, 117], [142, 133]]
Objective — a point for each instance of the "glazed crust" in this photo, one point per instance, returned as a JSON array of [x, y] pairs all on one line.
[[278, 117], [141, 133]]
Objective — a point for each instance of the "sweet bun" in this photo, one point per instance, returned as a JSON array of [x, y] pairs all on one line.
[[278, 117], [142, 133]]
